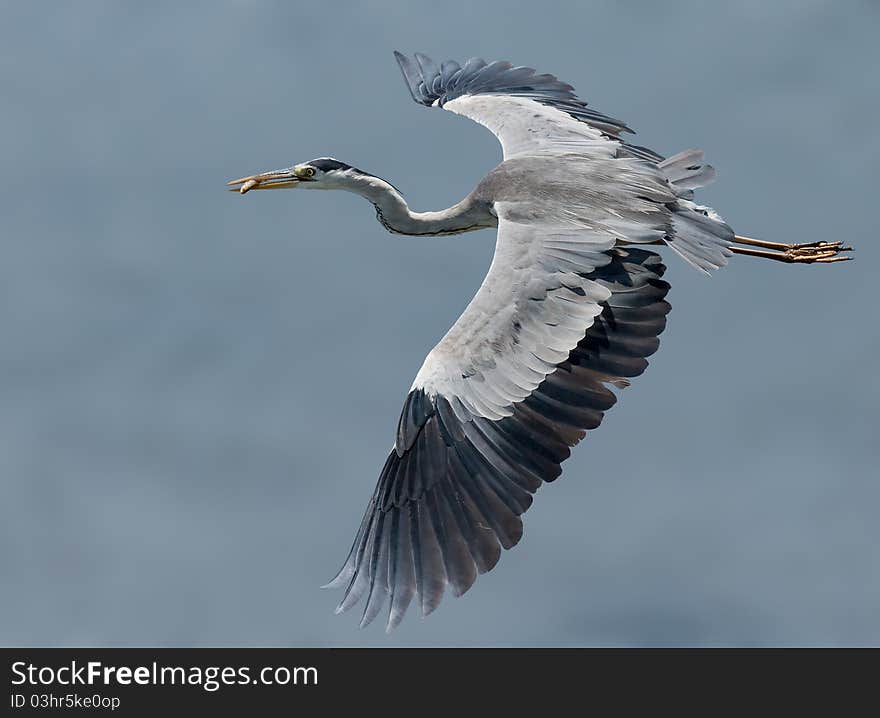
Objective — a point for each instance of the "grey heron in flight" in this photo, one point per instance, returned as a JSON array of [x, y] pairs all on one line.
[[569, 310]]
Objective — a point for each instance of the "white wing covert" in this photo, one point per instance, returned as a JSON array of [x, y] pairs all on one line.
[[528, 112]]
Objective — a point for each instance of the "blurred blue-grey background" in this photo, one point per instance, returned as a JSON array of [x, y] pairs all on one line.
[[197, 390]]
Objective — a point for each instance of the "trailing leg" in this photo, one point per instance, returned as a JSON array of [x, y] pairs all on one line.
[[803, 253]]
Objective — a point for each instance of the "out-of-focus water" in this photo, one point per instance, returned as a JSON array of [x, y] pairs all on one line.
[[198, 390]]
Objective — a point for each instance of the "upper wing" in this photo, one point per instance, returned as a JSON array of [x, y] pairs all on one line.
[[467, 459], [534, 115], [528, 112]]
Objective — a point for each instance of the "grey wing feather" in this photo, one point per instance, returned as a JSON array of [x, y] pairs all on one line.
[[699, 236], [686, 171], [446, 505], [428, 86]]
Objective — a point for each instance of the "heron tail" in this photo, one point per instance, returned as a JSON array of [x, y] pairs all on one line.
[[686, 171]]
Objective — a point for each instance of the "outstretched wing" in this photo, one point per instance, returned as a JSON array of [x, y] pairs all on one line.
[[536, 115], [468, 457], [529, 112]]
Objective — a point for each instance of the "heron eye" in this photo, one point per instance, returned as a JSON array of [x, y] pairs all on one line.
[[308, 172]]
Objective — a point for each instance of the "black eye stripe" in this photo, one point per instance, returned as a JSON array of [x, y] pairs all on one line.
[[326, 164]]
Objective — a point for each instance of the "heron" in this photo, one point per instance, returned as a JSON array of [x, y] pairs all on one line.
[[569, 311]]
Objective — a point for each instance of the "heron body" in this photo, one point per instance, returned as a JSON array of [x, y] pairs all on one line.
[[569, 311]]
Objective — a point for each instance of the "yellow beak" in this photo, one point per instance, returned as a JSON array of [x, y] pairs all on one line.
[[276, 179]]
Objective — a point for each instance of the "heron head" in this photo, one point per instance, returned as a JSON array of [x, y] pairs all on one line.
[[321, 173]]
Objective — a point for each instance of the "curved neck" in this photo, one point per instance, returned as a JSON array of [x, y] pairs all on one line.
[[395, 215]]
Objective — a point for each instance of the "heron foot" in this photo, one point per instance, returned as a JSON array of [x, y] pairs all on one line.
[[818, 252], [803, 253]]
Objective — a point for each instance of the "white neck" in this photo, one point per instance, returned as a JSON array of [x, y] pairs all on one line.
[[394, 213]]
